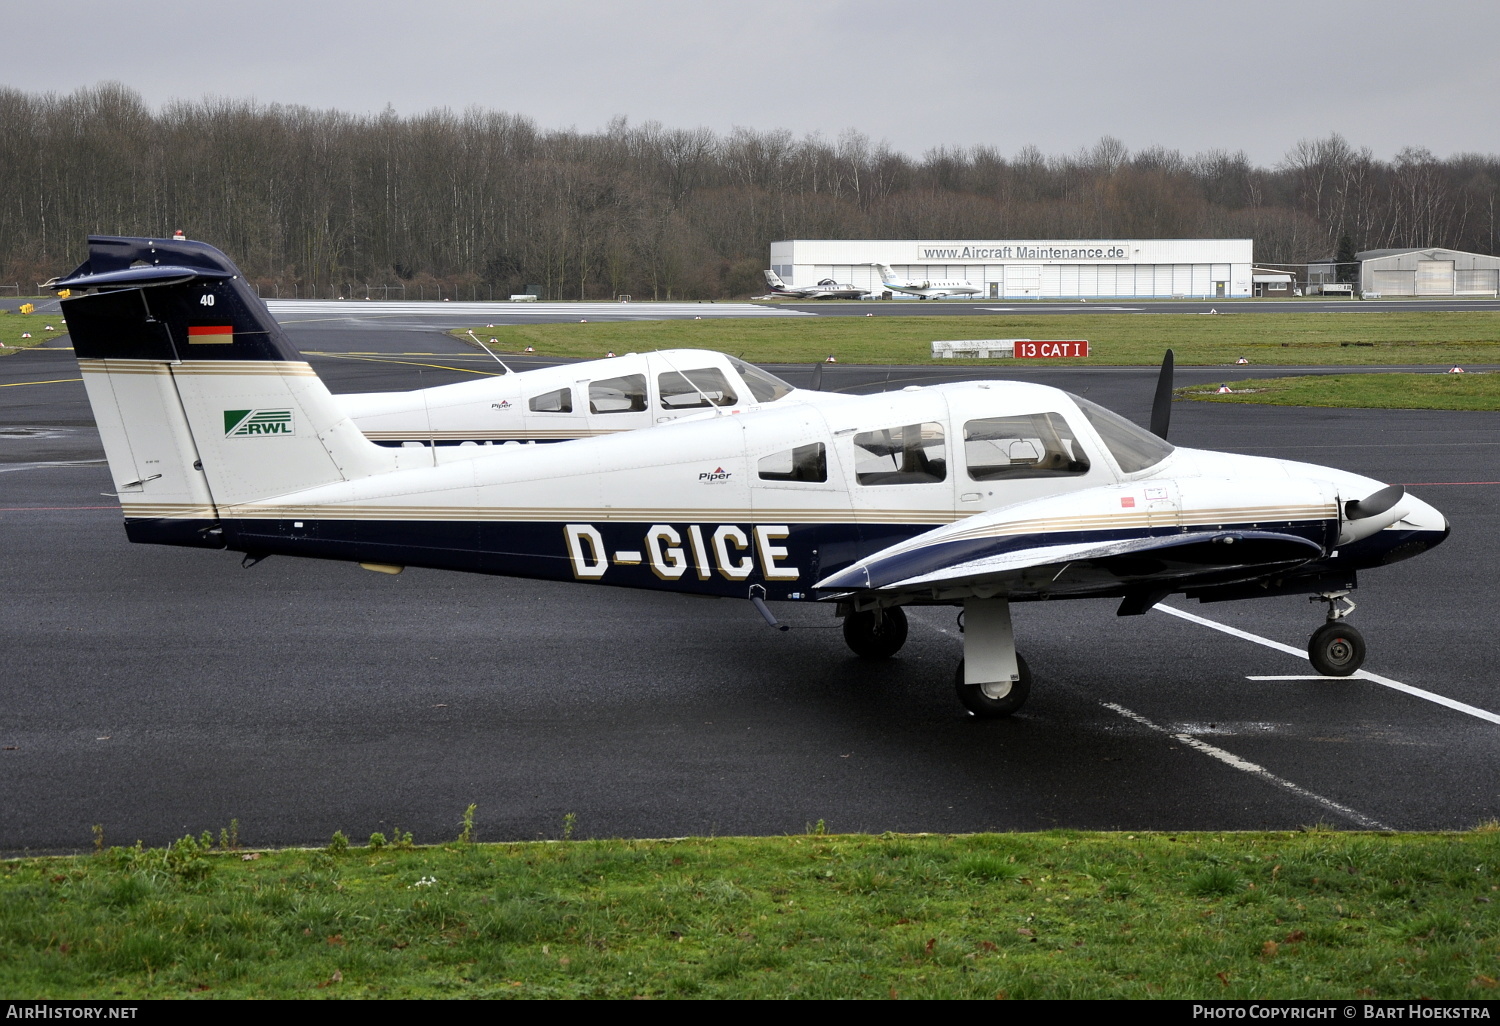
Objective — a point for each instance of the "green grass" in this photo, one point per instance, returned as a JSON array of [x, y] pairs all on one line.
[[1420, 337], [1061, 914], [13, 325], [1384, 391]]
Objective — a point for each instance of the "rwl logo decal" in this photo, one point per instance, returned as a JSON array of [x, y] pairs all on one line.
[[716, 476], [241, 423]]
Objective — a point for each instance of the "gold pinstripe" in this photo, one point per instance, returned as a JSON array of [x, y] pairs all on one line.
[[211, 368], [416, 434], [523, 514]]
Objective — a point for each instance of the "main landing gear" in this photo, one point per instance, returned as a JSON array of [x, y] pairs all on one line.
[[992, 679], [1336, 649]]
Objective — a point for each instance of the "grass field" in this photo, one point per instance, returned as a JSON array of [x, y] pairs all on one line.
[[1383, 391], [1061, 914], [1263, 338], [14, 325]]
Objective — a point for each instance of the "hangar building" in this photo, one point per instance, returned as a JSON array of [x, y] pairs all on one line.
[[1031, 269], [1427, 272]]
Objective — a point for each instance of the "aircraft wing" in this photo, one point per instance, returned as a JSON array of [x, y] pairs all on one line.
[[1110, 541]]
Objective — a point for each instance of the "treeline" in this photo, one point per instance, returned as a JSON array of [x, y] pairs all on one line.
[[487, 201]]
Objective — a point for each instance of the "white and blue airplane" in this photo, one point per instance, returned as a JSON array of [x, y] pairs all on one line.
[[974, 494], [925, 289]]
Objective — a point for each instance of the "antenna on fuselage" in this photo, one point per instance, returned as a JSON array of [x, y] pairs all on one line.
[[487, 349], [1161, 407], [701, 394]]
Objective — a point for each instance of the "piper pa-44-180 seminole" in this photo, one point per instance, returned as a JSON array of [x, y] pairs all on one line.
[[974, 494], [573, 400]]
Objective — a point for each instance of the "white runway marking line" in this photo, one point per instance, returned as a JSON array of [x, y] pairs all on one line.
[[1395, 685], [1246, 766]]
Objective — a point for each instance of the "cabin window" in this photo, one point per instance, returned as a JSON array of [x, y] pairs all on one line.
[[625, 394], [804, 463], [911, 454], [694, 389], [1034, 445], [1134, 448], [560, 401], [765, 386]]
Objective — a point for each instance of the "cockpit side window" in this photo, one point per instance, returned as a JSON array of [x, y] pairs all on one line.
[[765, 386], [1033, 445], [560, 401], [910, 454], [804, 463], [625, 394], [692, 389], [1133, 447]]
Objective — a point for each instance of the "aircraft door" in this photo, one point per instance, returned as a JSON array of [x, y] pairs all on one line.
[[555, 415], [801, 506], [683, 391], [617, 404], [1012, 457]]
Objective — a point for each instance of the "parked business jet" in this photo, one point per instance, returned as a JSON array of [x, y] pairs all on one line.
[[974, 494], [572, 400], [925, 289], [825, 289]]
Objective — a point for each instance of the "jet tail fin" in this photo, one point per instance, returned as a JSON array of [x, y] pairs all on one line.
[[201, 400], [886, 274], [774, 280]]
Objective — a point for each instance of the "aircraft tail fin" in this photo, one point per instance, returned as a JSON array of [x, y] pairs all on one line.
[[886, 274], [774, 280], [201, 400]]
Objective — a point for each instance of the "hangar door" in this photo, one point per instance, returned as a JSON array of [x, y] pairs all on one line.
[[1434, 277]]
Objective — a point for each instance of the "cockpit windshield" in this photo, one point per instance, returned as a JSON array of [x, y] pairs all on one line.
[[765, 386], [1133, 447]]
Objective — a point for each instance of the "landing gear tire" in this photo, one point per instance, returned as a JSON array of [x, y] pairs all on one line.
[[991, 701], [1336, 649], [869, 638]]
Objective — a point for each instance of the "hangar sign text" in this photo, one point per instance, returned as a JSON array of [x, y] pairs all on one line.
[[1025, 251]]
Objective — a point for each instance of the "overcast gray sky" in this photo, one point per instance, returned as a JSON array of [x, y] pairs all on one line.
[[1185, 75]]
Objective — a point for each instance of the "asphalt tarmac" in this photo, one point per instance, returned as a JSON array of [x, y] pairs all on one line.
[[157, 691]]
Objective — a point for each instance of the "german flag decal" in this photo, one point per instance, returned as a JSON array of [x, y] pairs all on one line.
[[218, 334]]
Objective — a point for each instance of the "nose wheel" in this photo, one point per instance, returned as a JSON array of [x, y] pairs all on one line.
[[1336, 649]]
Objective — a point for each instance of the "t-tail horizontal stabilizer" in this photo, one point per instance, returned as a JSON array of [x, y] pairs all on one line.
[[201, 400]]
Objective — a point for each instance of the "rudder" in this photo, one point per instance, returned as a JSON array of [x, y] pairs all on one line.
[[201, 400]]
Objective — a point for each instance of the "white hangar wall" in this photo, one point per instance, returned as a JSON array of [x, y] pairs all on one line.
[[1031, 269], [1428, 272]]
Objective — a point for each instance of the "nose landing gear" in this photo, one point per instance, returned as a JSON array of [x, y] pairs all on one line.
[[1336, 649]]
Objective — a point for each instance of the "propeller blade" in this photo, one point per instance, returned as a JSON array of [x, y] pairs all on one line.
[[817, 381], [1374, 504], [1161, 408]]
